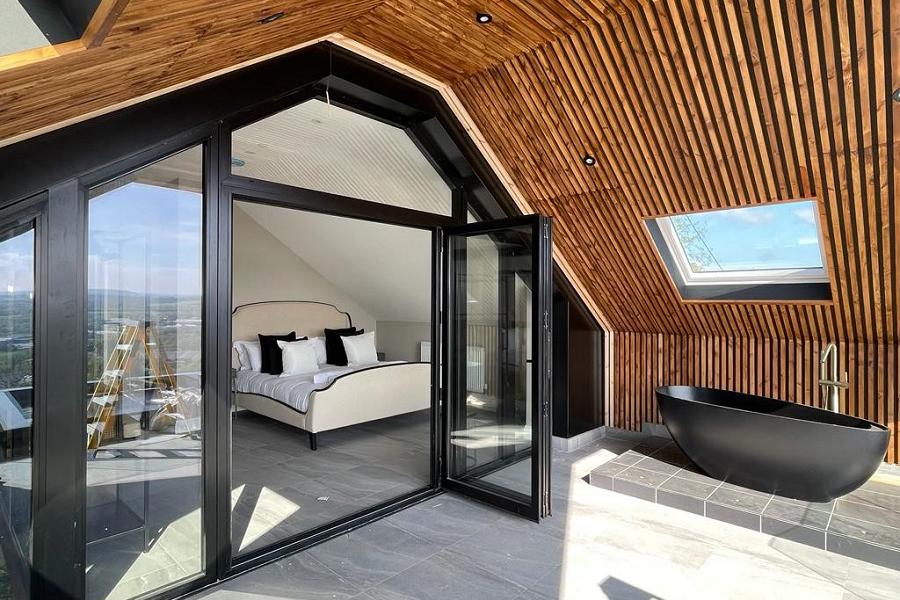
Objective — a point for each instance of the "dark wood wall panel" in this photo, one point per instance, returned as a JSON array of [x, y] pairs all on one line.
[[786, 369]]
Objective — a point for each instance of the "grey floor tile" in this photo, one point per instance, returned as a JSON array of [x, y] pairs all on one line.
[[372, 554], [680, 501], [867, 512], [641, 476], [862, 550], [512, 550], [794, 532], [864, 496], [864, 530], [739, 499], [446, 519], [821, 506], [549, 585], [693, 473], [637, 490], [651, 463], [688, 487], [287, 578], [446, 576], [628, 458], [610, 469], [734, 516], [797, 513]]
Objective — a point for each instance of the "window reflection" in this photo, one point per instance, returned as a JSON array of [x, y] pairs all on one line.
[[143, 404], [16, 393]]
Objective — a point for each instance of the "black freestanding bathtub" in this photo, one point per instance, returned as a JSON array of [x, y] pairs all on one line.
[[770, 445]]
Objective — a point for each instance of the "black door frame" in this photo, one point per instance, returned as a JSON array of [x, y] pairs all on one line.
[[240, 189], [538, 505], [32, 214]]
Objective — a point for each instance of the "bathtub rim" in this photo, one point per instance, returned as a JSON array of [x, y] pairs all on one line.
[[872, 425]]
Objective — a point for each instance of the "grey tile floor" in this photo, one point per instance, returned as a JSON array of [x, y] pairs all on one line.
[[864, 524], [281, 488], [598, 544]]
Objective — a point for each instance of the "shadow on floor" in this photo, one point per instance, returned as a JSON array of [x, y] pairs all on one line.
[[619, 590]]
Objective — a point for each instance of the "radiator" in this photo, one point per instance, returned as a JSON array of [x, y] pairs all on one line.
[[474, 365]]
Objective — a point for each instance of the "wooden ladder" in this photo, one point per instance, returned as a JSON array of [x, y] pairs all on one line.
[[101, 407]]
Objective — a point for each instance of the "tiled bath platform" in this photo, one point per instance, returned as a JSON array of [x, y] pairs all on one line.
[[864, 524]]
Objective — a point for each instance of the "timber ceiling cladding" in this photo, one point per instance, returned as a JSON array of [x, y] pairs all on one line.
[[699, 105], [156, 44], [688, 105]]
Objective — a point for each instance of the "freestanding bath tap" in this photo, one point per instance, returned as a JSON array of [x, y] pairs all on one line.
[[830, 384]]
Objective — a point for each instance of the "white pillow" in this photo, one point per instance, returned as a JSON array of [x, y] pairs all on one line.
[[249, 355], [360, 349], [242, 356], [319, 344], [299, 357]]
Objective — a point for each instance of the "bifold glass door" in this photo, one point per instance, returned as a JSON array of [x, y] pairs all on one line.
[[17, 371], [143, 393], [497, 384]]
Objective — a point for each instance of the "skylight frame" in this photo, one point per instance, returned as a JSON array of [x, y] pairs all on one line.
[[756, 277]]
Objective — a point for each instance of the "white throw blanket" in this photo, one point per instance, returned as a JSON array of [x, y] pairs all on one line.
[[295, 390]]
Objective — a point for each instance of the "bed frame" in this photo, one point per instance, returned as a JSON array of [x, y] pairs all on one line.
[[367, 395]]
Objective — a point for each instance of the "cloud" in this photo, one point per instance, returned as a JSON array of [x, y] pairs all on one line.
[[808, 241], [752, 215], [806, 214]]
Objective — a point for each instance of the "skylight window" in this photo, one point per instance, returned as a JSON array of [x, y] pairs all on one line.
[[771, 251]]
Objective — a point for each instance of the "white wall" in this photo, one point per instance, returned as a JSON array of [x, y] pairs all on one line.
[[399, 340], [265, 269], [386, 268]]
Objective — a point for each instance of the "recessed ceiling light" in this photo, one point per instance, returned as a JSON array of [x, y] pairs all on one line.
[[273, 17], [589, 160], [896, 95], [483, 18]]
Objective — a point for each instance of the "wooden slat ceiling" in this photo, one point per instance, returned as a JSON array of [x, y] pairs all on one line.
[[155, 45], [688, 105], [700, 105]]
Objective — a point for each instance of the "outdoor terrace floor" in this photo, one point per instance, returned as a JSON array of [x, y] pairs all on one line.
[[597, 544]]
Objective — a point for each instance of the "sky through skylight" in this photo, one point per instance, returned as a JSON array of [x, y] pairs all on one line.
[[772, 236]]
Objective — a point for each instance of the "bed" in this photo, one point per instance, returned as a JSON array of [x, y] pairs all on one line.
[[333, 397]]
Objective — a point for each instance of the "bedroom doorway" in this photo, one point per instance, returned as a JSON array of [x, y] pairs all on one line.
[[347, 232], [332, 326]]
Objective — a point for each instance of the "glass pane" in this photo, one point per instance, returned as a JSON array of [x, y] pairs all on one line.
[[16, 378], [144, 402], [773, 236], [330, 149], [491, 416], [371, 419]]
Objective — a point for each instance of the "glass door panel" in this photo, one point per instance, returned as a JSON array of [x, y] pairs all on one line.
[[498, 388], [290, 478], [143, 401], [17, 286]]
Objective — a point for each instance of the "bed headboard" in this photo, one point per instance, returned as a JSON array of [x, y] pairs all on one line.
[[307, 318]]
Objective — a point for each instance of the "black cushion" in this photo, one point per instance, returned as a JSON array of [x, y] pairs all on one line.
[[334, 347], [270, 353]]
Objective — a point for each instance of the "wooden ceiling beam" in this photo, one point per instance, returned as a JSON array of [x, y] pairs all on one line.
[[105, 17]]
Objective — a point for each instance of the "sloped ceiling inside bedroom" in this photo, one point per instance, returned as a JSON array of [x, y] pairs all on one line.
[[384, 268], [687, 105]]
